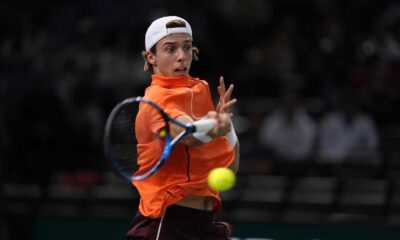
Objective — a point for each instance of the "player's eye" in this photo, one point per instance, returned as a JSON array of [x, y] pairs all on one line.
[[187, 48], [169, 49]]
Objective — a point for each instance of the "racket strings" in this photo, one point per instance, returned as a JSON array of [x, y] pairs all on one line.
[[123, 139], [124, 125]]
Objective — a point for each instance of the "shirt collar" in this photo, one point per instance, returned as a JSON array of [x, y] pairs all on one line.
[[184, 81]]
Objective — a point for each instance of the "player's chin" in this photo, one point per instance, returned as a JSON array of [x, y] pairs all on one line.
[[180, 73]]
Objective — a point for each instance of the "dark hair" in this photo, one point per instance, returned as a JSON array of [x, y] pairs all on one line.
[[175, 24]]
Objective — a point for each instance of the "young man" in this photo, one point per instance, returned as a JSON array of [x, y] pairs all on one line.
[[176, 202]]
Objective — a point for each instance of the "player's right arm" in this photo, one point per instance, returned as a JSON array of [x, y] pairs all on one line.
[[221, 128]]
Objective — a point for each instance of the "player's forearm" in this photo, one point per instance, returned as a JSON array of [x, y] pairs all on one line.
[[236, 160], [176, 130]]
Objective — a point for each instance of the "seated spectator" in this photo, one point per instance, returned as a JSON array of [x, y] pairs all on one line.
[[347, 133], [287, 135]]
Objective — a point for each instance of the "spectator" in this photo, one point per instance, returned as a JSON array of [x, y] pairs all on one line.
[[347, 133], [288, 134]]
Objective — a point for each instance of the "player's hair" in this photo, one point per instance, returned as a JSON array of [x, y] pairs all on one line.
[[172, 24]]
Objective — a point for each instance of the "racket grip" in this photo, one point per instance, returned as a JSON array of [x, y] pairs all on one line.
[[204, 125]]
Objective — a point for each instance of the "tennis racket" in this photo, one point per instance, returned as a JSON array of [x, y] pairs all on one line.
[[124, 125]]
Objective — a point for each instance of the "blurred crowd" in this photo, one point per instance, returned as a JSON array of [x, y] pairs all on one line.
[[290, 140], [65, 64]]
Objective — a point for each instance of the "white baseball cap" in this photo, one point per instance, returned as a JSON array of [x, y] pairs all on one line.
[[158, 29]]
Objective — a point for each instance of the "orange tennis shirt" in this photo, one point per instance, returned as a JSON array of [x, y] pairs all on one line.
[[186, 170]]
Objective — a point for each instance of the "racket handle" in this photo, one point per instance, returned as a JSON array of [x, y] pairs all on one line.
[[204, 125]]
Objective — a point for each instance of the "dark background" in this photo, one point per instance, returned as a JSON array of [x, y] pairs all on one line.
[[65, 64]]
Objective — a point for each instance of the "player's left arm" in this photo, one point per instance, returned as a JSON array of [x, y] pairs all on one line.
[[235, 164], [225, 102]]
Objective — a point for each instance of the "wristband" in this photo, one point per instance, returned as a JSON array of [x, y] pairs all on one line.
[[202, 126], [202, 137], [231, 135]]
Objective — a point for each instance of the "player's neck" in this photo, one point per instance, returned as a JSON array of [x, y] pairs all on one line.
[[181, 81]]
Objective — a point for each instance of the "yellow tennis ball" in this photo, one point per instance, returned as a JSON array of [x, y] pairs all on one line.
[[163, 133], [221, 179]]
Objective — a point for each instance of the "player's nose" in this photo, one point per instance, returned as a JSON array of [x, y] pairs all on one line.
[[181, 54]]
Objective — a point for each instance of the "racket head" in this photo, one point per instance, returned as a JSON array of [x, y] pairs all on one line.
[[123, 127]]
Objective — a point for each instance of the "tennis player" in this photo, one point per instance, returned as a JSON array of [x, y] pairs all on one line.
[[176, 202]]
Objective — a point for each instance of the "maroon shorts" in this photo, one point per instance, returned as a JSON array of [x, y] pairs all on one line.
[[180, 223]]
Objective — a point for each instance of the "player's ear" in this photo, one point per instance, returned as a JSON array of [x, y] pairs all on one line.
[[195, 52], [150, 57]]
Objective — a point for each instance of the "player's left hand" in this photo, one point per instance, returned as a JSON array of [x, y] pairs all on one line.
[[222, 126], [225, 101]]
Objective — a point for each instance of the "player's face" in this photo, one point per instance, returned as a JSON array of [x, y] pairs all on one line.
[[173, 55]]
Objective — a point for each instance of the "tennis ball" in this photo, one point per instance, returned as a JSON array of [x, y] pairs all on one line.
[[221, 179], [163, 133]]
